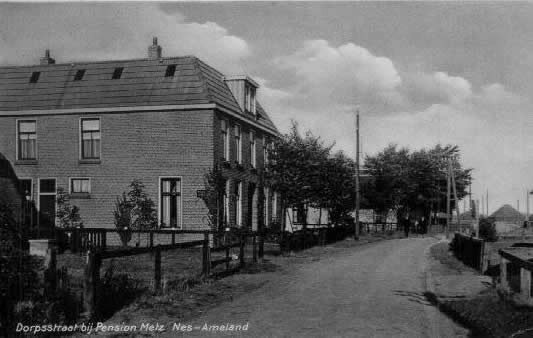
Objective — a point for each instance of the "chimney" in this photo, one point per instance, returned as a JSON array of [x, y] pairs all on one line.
[[47, 60], [154, 51]]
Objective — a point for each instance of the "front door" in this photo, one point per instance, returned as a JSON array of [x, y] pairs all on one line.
[[47, 203]]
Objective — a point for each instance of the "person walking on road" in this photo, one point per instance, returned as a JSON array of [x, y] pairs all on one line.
[[406, 223]]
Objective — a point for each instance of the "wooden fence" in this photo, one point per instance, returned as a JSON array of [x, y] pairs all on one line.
[[471, 251]]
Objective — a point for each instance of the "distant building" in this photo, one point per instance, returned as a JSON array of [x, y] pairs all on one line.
[[507, 218], [93, 127]]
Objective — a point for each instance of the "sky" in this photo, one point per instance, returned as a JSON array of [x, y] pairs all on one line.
[[420, 73]]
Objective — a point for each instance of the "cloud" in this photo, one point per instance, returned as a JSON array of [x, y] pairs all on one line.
[[347, 74], [490, 122], [424, 89], [112, 31]]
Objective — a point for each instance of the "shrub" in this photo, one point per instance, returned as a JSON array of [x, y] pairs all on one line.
[[134, 210], [122, 214], [117, 291], [68, 215], [487, 230]]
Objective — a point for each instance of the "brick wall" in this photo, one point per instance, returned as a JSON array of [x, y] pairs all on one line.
[[134, 145], [245, 173]]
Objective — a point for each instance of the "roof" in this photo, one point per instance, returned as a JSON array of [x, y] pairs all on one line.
[[507, 213], [143, 83]]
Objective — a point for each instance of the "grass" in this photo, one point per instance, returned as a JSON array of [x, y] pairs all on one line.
[[487, 314]]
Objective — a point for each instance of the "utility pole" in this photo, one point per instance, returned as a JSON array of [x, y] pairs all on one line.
[[487, 201], [356, 234], [448, 202], [454, 187]]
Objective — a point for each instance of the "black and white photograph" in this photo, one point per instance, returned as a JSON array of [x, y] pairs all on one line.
[[266, 169]]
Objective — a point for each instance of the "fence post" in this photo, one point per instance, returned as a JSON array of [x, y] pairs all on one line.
[[503, 274], [173, 238], [261, 248], [254, 244], [241, 250], [50, 275], [90, 283], [227, 258], [206, 260], [151, 239], [525, 283], [157, 270]]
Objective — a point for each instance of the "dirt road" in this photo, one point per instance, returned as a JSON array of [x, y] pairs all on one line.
[[372, 291]]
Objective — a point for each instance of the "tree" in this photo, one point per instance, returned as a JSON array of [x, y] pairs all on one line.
[[143, 212], [414, 181], [305, 173], [215, 184], [388, 171], [68, 215], [134, 210], [296, 168]]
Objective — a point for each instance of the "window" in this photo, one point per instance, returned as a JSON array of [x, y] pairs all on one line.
[[274, 206], [298, 215], [225, 139], [225, 203], [27, 140], [252, 149], [79, 75], [25, 186], [90, 138], [117, 74], [265, 152], [249, 98], [170, 202], [238, 203], [47, 202], [35, 77], [80, 186], [171, 69], [265, 208], [238, 144]]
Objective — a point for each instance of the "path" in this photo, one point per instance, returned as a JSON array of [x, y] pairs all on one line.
[[372, 291]]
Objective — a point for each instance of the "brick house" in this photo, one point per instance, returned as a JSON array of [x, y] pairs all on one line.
[[93, 127]]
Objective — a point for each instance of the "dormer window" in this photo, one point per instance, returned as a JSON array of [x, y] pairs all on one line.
[[117, 73], [244, 90], [79, 75], [34, 77], [171, 69], [249, 98]]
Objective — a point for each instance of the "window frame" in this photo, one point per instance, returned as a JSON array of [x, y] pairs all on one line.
[[39, 194], [266, 199], [237, 189], [17, 143], [160, 205], [79, 194], [226, 204], [238, 143], [265, 152], [253, 149], [90, 159], [224, 129]]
